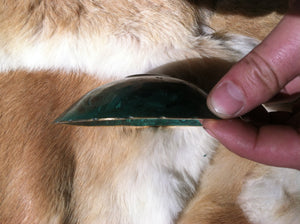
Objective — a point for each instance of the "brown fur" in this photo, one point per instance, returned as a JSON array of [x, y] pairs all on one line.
[[36, 151], [251, 18], [43, 163], [216, 200]]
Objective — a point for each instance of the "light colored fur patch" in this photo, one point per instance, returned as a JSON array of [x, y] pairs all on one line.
[[272, 197], [109, 39], [148, 178]]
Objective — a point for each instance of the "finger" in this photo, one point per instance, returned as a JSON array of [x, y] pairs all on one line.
[[262, 73], [292, 87], [271, 145]]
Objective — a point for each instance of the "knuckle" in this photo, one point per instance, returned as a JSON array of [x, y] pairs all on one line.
[[262, 74]]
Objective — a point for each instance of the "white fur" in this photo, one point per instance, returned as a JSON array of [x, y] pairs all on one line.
[[112, 57], [273, 198], [157, 185], [169, 168], [237, 42], [106, 58]]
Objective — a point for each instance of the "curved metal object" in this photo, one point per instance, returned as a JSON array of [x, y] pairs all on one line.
[[140, 100]]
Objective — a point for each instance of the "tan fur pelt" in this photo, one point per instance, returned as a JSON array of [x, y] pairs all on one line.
[[214, 204], [251, 18], [54, 51], [135, 19], [37, 157]]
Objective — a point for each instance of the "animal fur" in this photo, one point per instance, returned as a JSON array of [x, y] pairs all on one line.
[[52, 52]]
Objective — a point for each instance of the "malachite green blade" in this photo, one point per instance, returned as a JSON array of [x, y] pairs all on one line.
[[142, 100]]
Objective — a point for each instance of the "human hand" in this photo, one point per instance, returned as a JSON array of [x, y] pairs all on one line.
[[271, 68]]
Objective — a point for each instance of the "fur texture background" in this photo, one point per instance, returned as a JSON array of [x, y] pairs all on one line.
[[53, 51]]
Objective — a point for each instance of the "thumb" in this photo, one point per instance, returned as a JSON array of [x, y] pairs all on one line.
[[262, 73]]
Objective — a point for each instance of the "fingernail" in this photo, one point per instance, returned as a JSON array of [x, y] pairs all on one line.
[[227, 100]]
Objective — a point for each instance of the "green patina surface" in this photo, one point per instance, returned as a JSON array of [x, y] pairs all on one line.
[[140, 101], [138, 122]]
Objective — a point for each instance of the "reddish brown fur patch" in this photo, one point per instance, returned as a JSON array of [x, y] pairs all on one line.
[[37, 159]]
